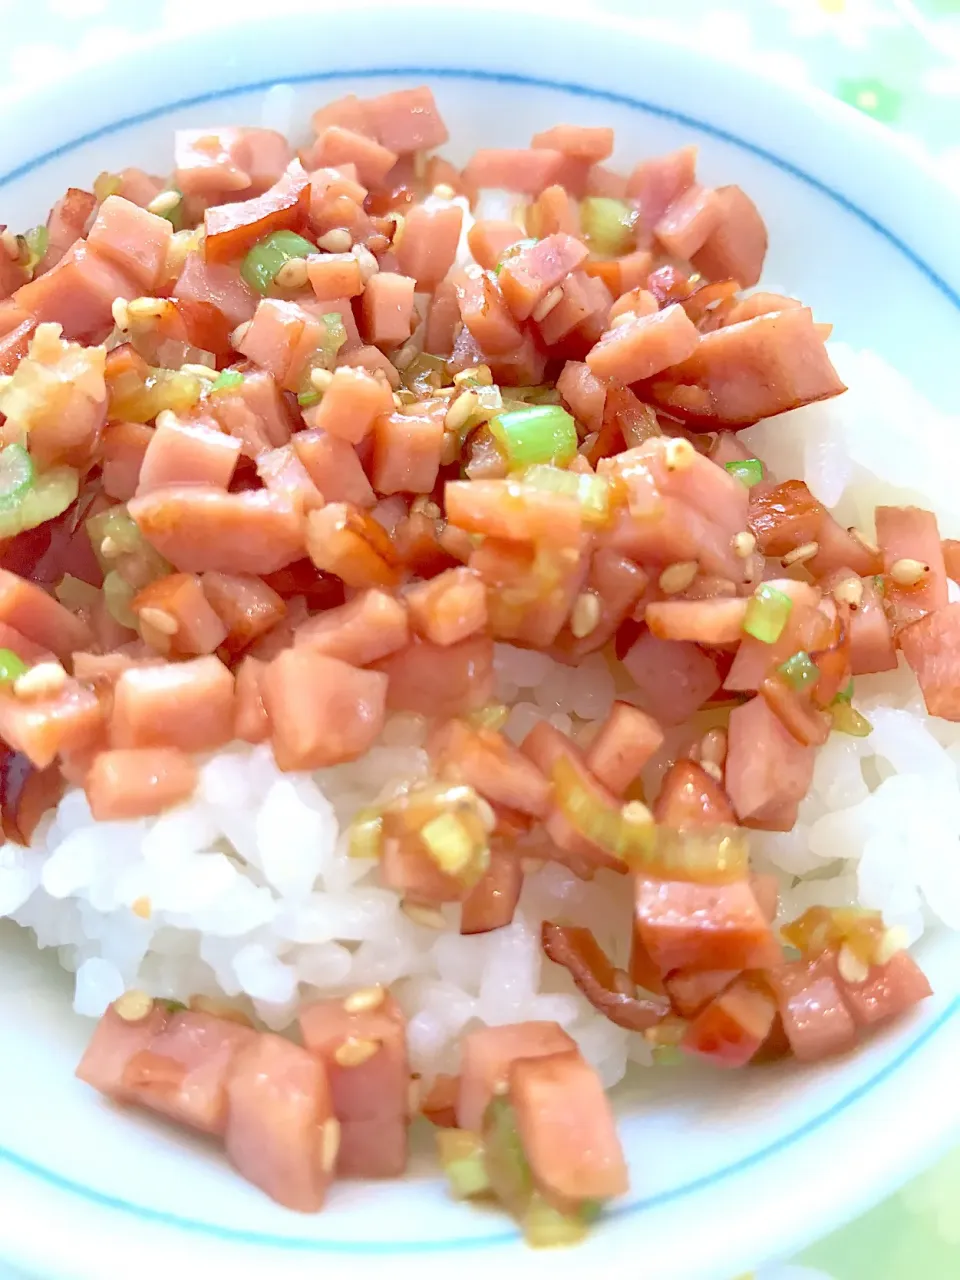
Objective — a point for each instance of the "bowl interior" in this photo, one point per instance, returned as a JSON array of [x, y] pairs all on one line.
[[702, 1146]]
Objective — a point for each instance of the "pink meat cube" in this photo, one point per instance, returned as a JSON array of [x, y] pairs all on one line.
[[526, 171], [767, 772], [449, 607], [428, 247], [281, 339], [335, 146], [254, 412], [439, 681], [188, 453], [364, 630], [485, 313], [334, 275], [736, 245], [137, 241], [656, 183], [627, 740], [406, 453], [406, 120], [910, 533], [644, 346], [123, 446], [528, 276], [218, 283], [387, 309], [579, 141], [78, 293], [351, 404], [689, 221], [334, 468], [178, 704], [673, 678], [488, 1053], [932, 648]]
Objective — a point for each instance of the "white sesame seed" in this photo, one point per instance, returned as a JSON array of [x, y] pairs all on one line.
[[338, 240], [164, 202], [894, 939], [354, 1051], [121, 316], [585, 615], [486, 814], [367, 263], [907, 573], [800, 554], [159, 620], [321, 379], [862, 540], [479, 376], [713, 746], [133, 1006], [851, 967], [239, 333], [428, 917], [849, 591], [543, 308], [458, 415], [365, 999], [677, 577], [678, 454], [9, 243], [744, 544], [444, 191], [329, 1144], [146, 308], [405, 356], [41, 681], [292, 275], [636, 813], [109, 549], [625, 317], [712, 769]]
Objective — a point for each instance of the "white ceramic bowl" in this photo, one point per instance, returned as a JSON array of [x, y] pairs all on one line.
[[727, 1171]]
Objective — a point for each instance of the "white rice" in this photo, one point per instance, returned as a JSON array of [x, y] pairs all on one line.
[[252, 895]]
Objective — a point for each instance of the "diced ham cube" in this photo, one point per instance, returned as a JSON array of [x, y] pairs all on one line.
[[41, 728], [744, 372], [139, 187], [251, 722], [872, 646], [627, 740], [440, 681], [731, 1029], [336, 145], [281, 1133], [909, 533], [932, 648], [351, 404], [495, 509], [566, 1128], [137, 241], [15, 341], [492, 901], [528, 276], [40, 617], [887, 991], [180, 704], [406, 453], [372, 359], [645, 346], [322, 711], [174, 1063], [815, 1015], [489, 238], [485, 314], [449, 607], [245, 604], [406, 120], [367, 628], [196, 628], [365, 1055], [584, 394], [443, 320], [755, 659], [684, 925], [232, 229], [218, 283], [737, 242], [673, 679], [254, 413], [656, 183], [198, 528], [387, 308], [281, 339], [343, 540], [689, 221], [182, 453], [487, 1055], [526, 171], [639, 301], [334, 467], [579, 141], [138, 784], [123, 446], [284, 474], [691, 992], [428, 246], [78, 294], [497, 770], [710, 622], [334, 275], [767, 771], [218, 164], [349, 111]]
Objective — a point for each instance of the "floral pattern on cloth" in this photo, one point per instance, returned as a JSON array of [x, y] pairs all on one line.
[[895, 60]]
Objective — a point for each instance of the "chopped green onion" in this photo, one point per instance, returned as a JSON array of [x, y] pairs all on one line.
[[511, 252], [12, 666], [307, 399], [505, 1159], [48, 497], [800, 671], [16, 475], [75, 594], [749, 471], [425, 373], [846, 719], [545, 1227], [609, 226], [173, 1006], [118, 594], [366, 834], [592, 492], [268, 255], [336, 334], [543, 394], [703, 855], [767, 613], [493, 716], [667, 1055], [845, 694], [116, 524], [879, 585], [613, 829], [139, 401], [35, 241], [226, 380], [540, 433], [106, 184], [462, 1160]]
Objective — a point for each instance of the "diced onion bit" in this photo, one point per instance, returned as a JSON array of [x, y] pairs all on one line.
[[677, 577], [846, 693], [263, 262], [365, 999], [849, 591], [133, 1006], [462, 1160], [767, 612], [744, 544], [609, 226], [546, 1227], [366, 834], [628, 833], [449, 843], [355, 1050], [493, 716], [800, 671], [504, 1158], [799, 555], [585, 615], [894, 939], [537, 434], [704, 855], [846, 719], [749, 471], [821, 928], [446, 822], [12, 667], [852, 969], [226, 381], [908, 573]]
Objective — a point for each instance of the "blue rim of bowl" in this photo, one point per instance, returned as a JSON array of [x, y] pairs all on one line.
[[672, 1195]]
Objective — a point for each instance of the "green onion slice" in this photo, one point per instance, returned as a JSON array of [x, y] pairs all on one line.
[[592, 492], [46, 498], [307, 399], [609, 226], [12, 666], [226, 380], [118, 594], [16, 475], [336, 334], [846, 719], [767, 613], [264, 260], [462, 1160], [506, 1163], [749, 471], [800, 671], [845, 694], [537, 434]]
